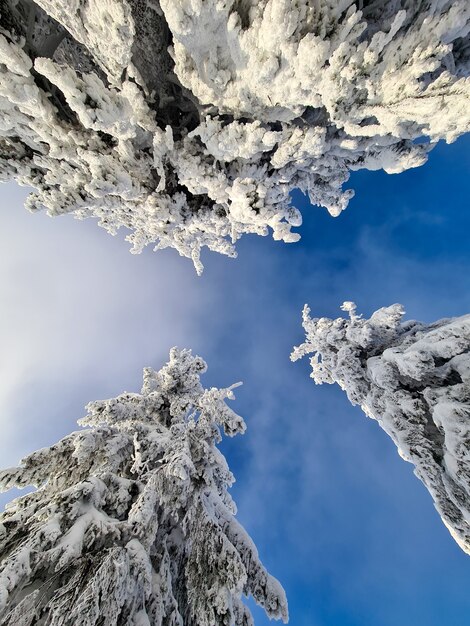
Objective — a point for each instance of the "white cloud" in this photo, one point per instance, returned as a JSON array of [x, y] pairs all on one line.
[[79, 317]]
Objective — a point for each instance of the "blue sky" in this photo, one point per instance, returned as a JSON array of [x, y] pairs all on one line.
[[337, 516]]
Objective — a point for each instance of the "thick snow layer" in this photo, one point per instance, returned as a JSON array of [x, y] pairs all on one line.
[[188, 122], [414, 379], [132, 522]]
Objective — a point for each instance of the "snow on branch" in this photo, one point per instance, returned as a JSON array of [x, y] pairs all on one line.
[[414, 379], [132, 522], [189, 122]]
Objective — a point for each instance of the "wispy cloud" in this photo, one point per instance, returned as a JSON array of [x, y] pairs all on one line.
[[79, 318]]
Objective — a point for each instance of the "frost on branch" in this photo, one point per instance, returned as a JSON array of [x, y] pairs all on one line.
[[414, 379], [131, 522], [188, 122]]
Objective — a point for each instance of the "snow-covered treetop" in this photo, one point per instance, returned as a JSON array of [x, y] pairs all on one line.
[[414, 379], [189, 122], [132, 522], [341, 347]]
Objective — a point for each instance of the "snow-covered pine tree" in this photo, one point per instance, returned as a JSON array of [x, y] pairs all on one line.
[[132, 523], [414, 379], [189, 122]]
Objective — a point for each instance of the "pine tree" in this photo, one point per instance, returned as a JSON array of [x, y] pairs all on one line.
[[414, 379], [131, 522], [189, 122]]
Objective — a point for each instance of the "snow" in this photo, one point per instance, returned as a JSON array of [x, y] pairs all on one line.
[[189, 123], [413, 378], [132, 522]]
